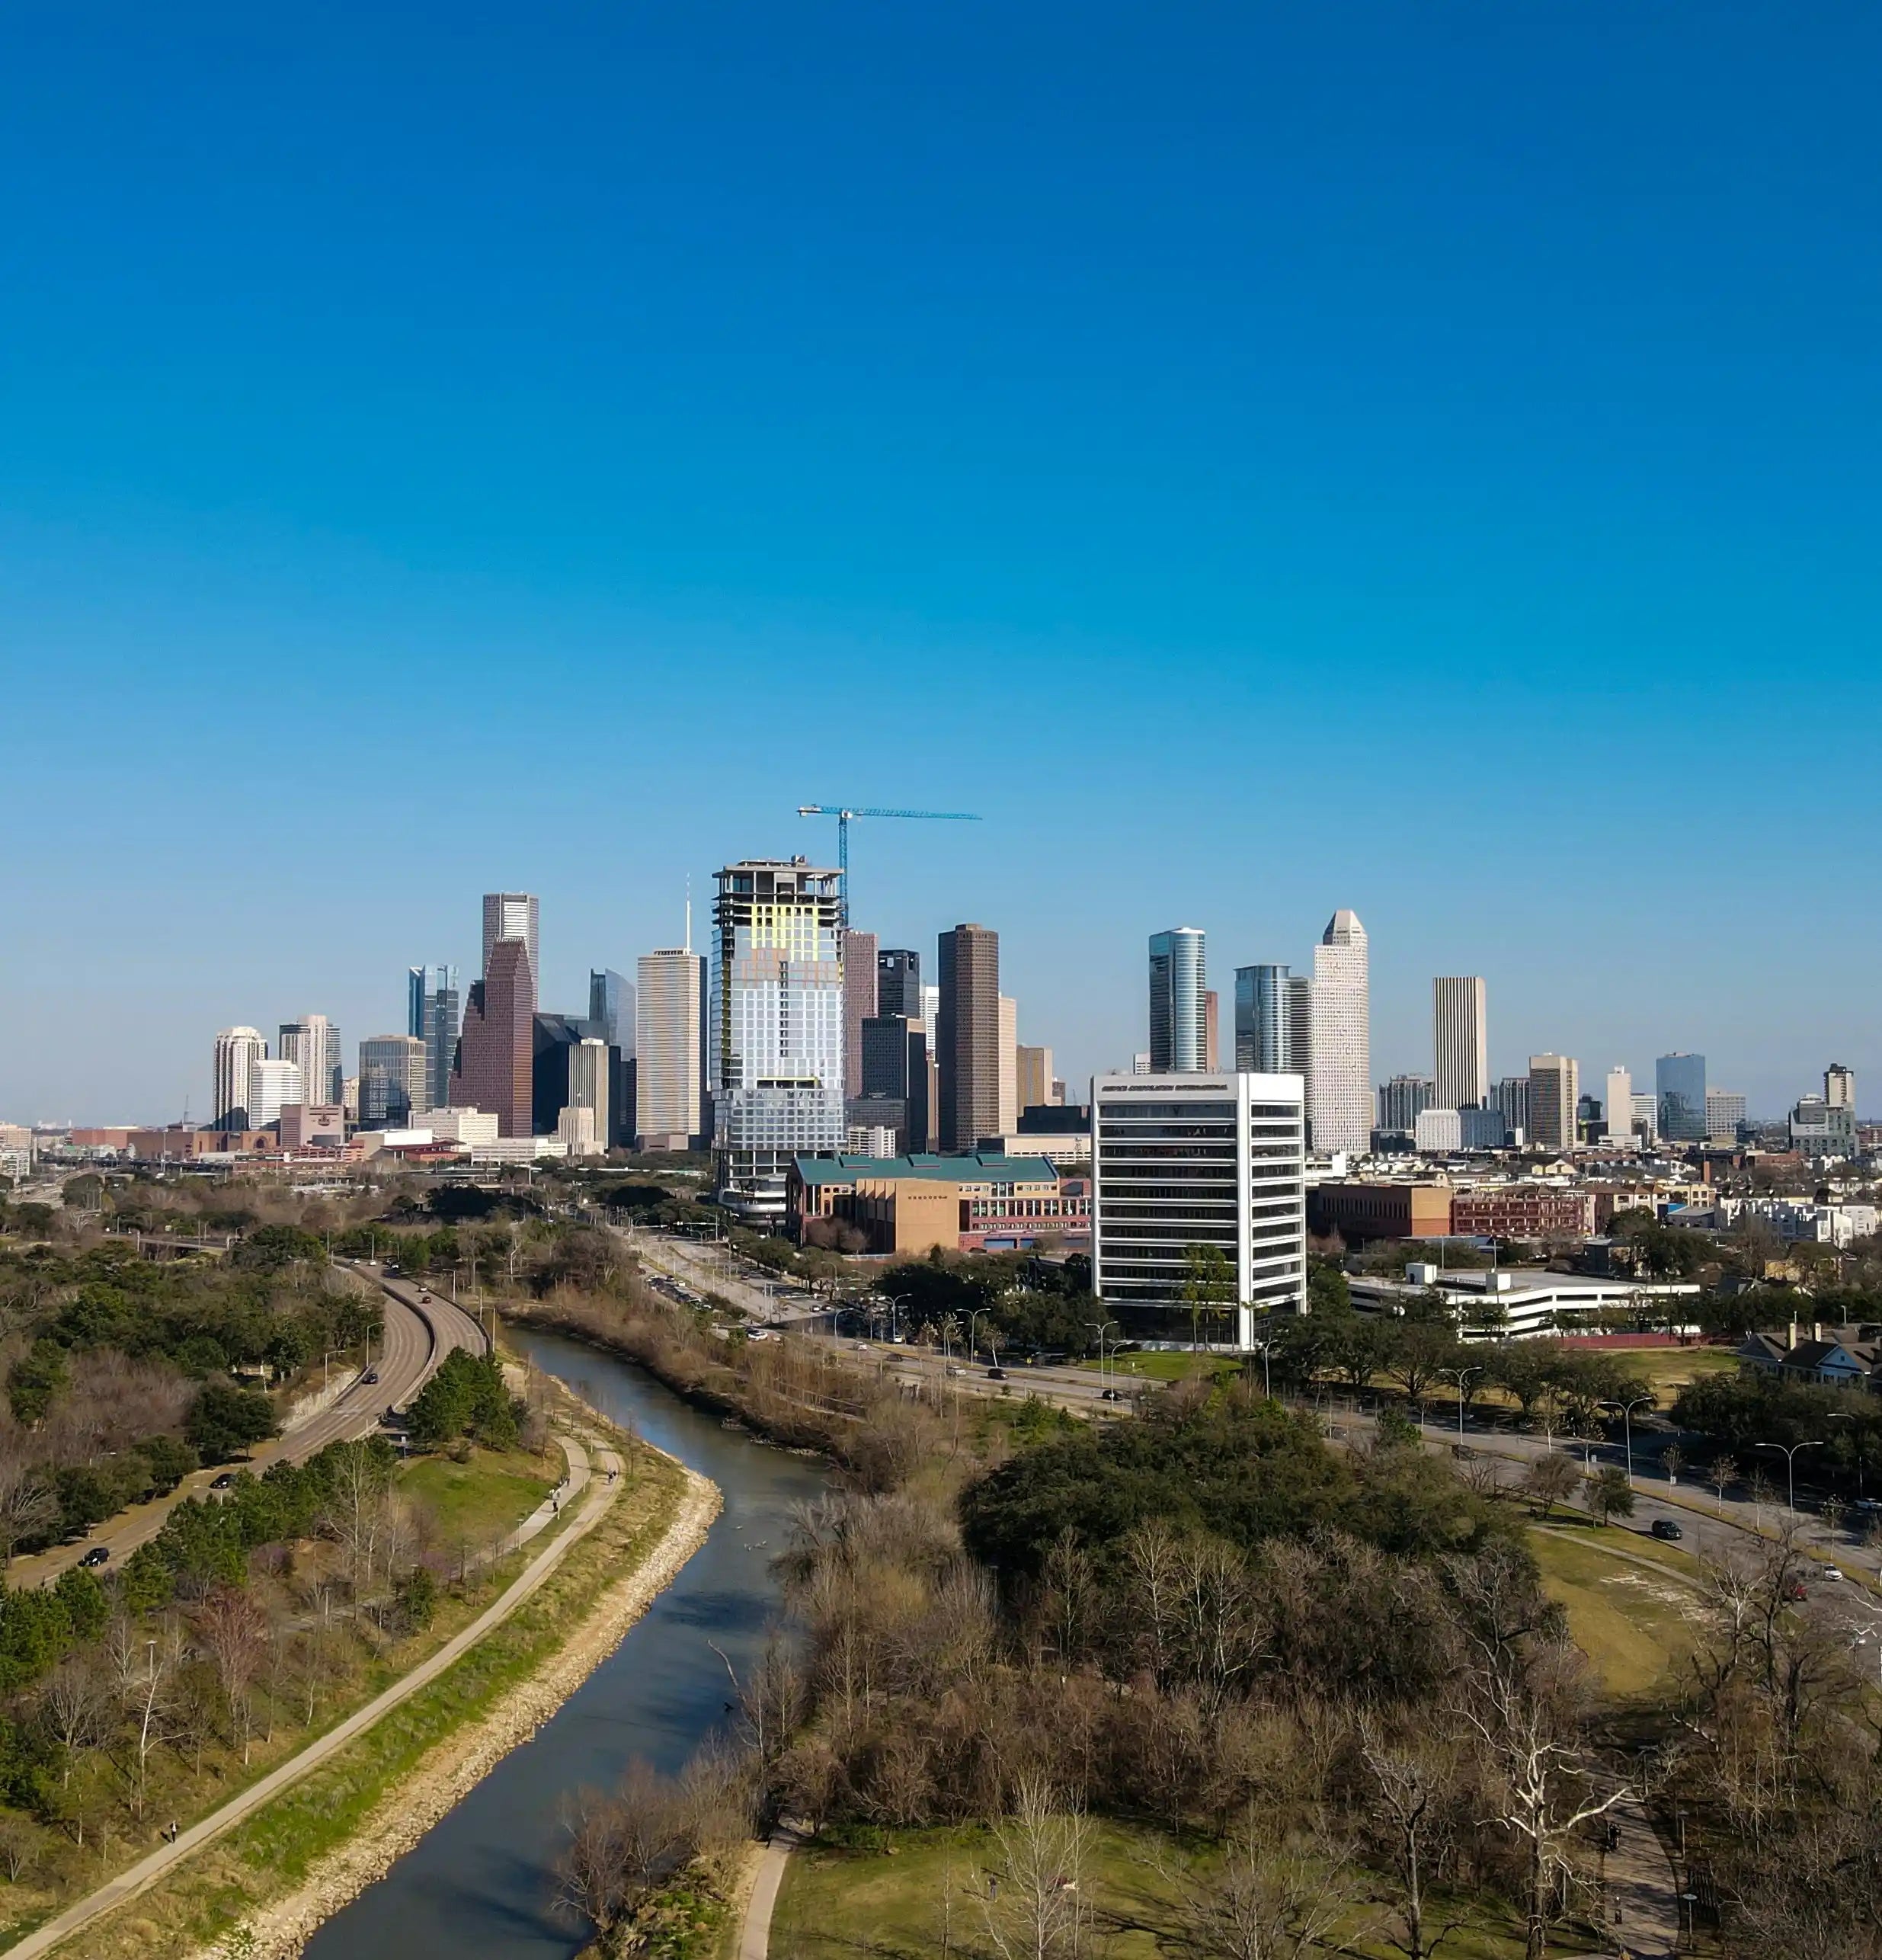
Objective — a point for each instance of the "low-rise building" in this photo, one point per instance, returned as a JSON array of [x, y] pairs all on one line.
[[1523, 1211], [1360, 1210], [1828, 1357], [1516, 1303], [920, 1203]]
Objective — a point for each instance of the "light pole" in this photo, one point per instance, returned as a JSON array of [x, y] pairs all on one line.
[[895, 1326], [1790, 1464], [1626, 1425], [1463, 1375], [1100, 1328], [973, 1320]]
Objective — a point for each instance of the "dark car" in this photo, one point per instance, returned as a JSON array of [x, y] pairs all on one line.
[[98, 1555], [1109, 1395], [996, 1374], [1665, 1528], [226, 1481], [370, 1376]]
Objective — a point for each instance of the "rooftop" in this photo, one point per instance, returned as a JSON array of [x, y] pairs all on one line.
[[980, 1167]]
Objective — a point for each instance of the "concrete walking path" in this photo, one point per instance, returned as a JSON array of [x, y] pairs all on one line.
[[157, 1863], [754, 1938], [1640, 1905]]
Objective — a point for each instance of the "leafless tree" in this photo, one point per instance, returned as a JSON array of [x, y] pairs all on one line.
[[1412, 1788], [19, 1844], [356, 1513], [29, 1505], [232, 1631], [1262, 1900], [1036, 1908], [75, 1707], [144, 1669]]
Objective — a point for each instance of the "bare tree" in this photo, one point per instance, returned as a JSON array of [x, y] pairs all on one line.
[[1412, 1790], [1036, 1908], [29, 1506], [233, 1632], [1262, 1900], [356, 1513], [75, 1708], [145, 1668]]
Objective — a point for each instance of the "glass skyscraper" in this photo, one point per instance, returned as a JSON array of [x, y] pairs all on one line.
[[431, 1016], [1679, 1087], [1263, 1042], [1178, 988]]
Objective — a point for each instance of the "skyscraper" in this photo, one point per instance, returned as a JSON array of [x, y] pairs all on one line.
[[237, 1050], [896, 1073], [1402, 1101], [1178, 1026], [859, 978], [496, 1049], [432, 1009], [669, 1018], [1035, 1078], [1459, 1037], [1839, 1086], [777, 1032], [393, 1078], [898, 983], [1554, 1092], [1679, 1083], [1210, 1051], [967, 1035], [1299, 1017], [611, 1010], [588, 1084], [1263, 1023], [513, 915], [1617, 1105], [1342, 1038], [312, 1044], [1009, 1067], [1510, 1099], [273, 1087]]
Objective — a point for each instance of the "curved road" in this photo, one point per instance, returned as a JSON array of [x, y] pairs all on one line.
[[420, 1329]]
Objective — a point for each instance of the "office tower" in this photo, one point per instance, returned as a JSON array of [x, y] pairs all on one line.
[[1482, 1128], [1839, 1086], [1679, 1083], [553, 1039], [513, 915], [1823, 1131], [1035, 1078], [496, 1049], [967, 1036], [1554, 1091], [859, 977], [1140, 1062], [393, 1078], [1178, 983], [273, 1087], [931, 1015], [432, 1007], [1211, 1047], [1264, 1028], [1342, 1038], [777, 1029], [1187, 1159], [670, 1017], [1618, 1101], [1460, 1039], [894, 1083], [1299, 1014], [1725, 1116], [898, 988], [312, 1044], [1402, 1101], [1510, 1099], [611, 1010], [588, 1084], [237, 1051], [1646, 1115], [1009, 1066]]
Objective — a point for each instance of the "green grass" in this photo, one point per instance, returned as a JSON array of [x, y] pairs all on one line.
[[1667, 1370], [1163, 1366], [1631, 1625], [481, 1500]]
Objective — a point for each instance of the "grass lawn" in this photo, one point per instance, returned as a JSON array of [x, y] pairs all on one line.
[[1164, 1366], [1631, 1625], [1667, 1370], [481, 1500]]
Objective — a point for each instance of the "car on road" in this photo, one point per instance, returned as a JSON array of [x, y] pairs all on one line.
[[370, 1376], [1829, 1572], [1109, 1395], [99, 1554], [1665, 1528], [996, 1374], [226, 1481]]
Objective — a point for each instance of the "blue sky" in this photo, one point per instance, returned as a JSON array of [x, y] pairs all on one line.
[[1417, 458]]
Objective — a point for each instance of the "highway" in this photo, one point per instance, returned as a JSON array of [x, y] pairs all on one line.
[[421, 1329]]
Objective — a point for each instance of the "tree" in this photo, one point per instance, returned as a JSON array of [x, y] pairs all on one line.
[[1610, 1495], [1721, 1473], [1417, 1351], [1263, 1900], [1551, 1481], [29, 1505], [1411, 1791], [1208, 1287], [1038, 1909], [227, 1419], [233, 1632]]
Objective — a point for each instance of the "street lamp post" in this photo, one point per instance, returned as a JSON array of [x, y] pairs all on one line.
[[1100, 1328], [1790, 1464], [1463, 1375], [973, 1320], [1626, 1425]]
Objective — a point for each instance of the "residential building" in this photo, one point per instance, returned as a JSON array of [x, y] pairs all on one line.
[[1554, 1089], [272, 1086], [312, 1044], [669, 1031], [777, 1026], [1401, 1101], [513, 915], [1178, 1010], [1724, 1115], [1187, 1159], [1679, 1083], [589, 1084], [432, 1009], [1438, 1132], [1822, 1130], [1839, 1086], [875, 1140], [237, 1051], [967, 1035], [1264, 1022], [898, 987], [920, 1203], [393, 1086], [861, 977], [1342, 1041], [1009, 1063], [1460, 1039], [1617, 1099], [1524, 1210], [1035, 1077], [494, 1067], [1510, 1098]]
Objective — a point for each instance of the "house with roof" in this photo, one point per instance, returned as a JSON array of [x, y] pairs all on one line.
[[1829, 1357]]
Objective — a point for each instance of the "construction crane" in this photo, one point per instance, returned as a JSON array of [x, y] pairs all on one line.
[[844, 817]]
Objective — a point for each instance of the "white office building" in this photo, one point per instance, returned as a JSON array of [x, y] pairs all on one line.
[[1460, 1040], [1617, 1105], [1341, 1060], [312, 1044], [588, 1084], [1437, 1132], [1009, 1065], [513, 915], [273, 1087], [1187, 1159], [237, 1051], [1724, 1115]]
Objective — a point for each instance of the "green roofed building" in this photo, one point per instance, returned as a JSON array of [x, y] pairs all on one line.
[[982, 1202]]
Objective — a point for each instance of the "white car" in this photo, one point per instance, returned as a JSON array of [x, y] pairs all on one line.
[[1829, 1572]]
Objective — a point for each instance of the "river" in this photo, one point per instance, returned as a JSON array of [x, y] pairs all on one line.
[[479, 1885]]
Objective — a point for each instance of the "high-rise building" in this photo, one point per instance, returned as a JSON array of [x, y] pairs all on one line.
[[1554, 1092], [1212, 1047], [898, 988], [1460, 1039], [312, 1044], [1646, 1115], [895, 1079], [393, 1083], [588, 1084], [1263, 1023], [1618, 1104], [860, 977], [670, 1020], [1299, 992], [1189, 1159], [1178, 1010], [1035, 1084], [1725, 1116], [432, 1009], [967, 1035], [237, 1051], [1679, 1083], [1510, 1099], [1342, 1038], [553, 1039], [1839, 1086], [1009, 1065], [1402, 1101], [611, 1011], [1822, 1130], [495, 1069], [513, 915], [273, 1086], [777, 1027]]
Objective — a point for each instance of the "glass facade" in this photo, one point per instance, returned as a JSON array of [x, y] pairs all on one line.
[[1679, 1087], [432, 1016]]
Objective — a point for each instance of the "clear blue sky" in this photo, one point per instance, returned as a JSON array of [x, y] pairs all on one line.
[[1417, 457]]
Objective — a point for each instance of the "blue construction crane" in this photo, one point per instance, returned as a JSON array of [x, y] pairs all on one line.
[[843, 815]]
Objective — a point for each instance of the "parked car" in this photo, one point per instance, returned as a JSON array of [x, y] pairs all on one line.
[[1665, 1528], [98, 1555], [226, 1481]]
